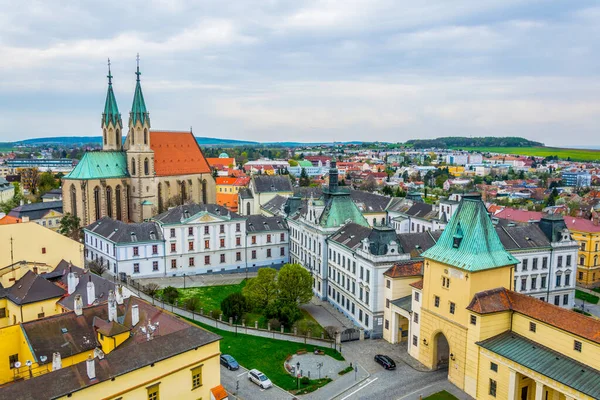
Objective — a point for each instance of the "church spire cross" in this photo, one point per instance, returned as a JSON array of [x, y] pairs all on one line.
[[109, 76], [138, 73]]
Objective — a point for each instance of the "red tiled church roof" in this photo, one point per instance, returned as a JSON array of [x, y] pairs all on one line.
[[177, 153]]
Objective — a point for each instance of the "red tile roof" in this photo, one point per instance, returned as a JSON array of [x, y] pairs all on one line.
[[225, 162], [517, 215], [8, 220], [502, 299], [417, 285], [581, 225], [406, 269], [218, 392], [177, 153]]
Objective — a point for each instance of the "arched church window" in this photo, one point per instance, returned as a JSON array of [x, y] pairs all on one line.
[[146, 167], [73, 201], [118, 138], [183, 193], [145, 136], [160, 198], [248, 208], [97, 202], [105, 136], [118, 201], [133, 166], [132, 133], [204, 197], [109, 202]]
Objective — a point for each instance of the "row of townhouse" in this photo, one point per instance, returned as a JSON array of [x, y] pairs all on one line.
[[187, 240]]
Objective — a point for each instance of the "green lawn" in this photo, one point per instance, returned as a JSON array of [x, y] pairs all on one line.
[[574, 154], [589, 298], [266, 355], [443, 395]]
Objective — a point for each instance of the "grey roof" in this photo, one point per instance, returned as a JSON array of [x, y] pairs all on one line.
[[32, 288], [416, 243], [185, 212], [245, 193], [399, 204], [121, 232], [260, 223], [36, 210], [545, 361], [422, 210], [521, 236], [380, 238], [351, 235], [5, 185], [553, 225], [404, 303], [271, 183], [275, 205], [52, 194], [101, 285], [367, 202], [305, 192]]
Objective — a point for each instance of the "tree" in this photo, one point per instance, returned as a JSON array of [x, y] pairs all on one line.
[[69, 226], [97, 267], [235, 305], [304, 179], [294, 284], [170, 294], [551, 201], [47, 182], [151, 289], [387, 190], [262, 290], [369, 184]]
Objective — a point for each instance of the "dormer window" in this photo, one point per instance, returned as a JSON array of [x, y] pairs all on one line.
[[457, 238]]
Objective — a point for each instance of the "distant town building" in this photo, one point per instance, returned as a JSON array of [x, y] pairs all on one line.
[[577, 179], [7, 190], [261, 189], [47, 214]]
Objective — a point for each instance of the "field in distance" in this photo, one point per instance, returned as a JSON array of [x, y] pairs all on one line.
[[562, 153]]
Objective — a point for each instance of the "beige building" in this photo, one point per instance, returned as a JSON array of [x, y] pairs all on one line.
[[136, 180]]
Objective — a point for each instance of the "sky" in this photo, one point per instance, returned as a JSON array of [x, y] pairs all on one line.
[[389, 70]]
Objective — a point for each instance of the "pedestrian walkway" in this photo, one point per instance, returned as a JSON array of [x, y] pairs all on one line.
[[197, 280], [340, 385], [326, 315]]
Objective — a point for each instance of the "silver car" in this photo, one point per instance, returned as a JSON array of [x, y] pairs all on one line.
[[259, 378]]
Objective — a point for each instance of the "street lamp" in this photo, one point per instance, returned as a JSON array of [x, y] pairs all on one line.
[[184, 280], [298, 375]]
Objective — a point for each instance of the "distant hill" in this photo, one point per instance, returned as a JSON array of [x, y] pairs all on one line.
[[466, 142], [81, 140]]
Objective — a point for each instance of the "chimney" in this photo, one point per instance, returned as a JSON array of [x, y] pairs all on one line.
[[24, 218], [135, 315], [112, 306], [56, 361], [91, 368], [78, 305], [72, 281], [119, 294], [91, 291]]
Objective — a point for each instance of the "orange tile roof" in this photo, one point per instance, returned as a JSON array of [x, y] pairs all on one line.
[[502, 299], [226, 162], [177, 153], [225, 180], [9, 220], [417, 285], [405, 269], [219, 392]]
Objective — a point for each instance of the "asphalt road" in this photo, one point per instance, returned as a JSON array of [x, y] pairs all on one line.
[[249, 390]]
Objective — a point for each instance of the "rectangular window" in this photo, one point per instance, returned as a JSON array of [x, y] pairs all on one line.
[[254, 254], [282, 237], [494, 367], [237, 227], [387, 303], [387, 325], [557, 300], [417, 296], [387, 283], [452, 307], [153, 393], [173, 264], [172, 232], [206, 230], [523, 284], [558, 280], [282, 251], [221, 228], [222, 243], [533, 283], [190, 246], [253, 239], [154, 249], [136, 268], [437, 301], [207, 244], [545, 263], [368, 276], [206, 260], [3, 312], [269, 238], [191, 262], [41, 315], [525, 262], [190, 231], [173, 248], [567, 280], [222, 258], [492, 388], [366, 320], [565, 299], [415, 340], [238, 256], [577, 346], [532, 327], [154, 265], [416, 318], [136, 251], [238, 241], [568, 261], [473, 320], [560, 259], [535, 264], [268, 252], [543, 282]]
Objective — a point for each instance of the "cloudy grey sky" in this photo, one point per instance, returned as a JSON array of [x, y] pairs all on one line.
[[307, 70]]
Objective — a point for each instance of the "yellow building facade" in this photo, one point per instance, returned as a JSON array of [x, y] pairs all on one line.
[[587, 234]]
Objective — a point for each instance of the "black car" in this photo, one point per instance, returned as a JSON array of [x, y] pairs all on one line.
[[229, 362], [385, 361]]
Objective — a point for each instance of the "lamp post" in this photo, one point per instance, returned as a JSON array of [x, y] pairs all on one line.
[[298, 375], [184, 280]]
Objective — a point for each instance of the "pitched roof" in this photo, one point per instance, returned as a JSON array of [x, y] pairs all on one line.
[[272, 183], [581, 225], [470, 241], [275, 205], [8, 220], [177, 153], [514, 214], [32, 288], [404, 303], [339, 210], [100, 165], [138, 108], [260, 223], [226, 162], [121, 232], [111, 110], [416, 243], [545, 361], [417, 285], [36, 210], [60, 277], [522, 236], [189, 211], [351, 235], [502, 299], [404, 269]]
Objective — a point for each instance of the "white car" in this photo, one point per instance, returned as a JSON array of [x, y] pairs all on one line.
[[259, 378]]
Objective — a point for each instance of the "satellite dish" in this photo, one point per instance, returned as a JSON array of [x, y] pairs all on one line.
[[28, 363], [18, 364]]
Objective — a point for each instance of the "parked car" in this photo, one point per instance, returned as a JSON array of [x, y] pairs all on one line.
[[259, 378], [229, 362], [385, 361]]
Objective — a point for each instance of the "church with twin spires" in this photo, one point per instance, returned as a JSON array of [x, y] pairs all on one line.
[[135, 179]]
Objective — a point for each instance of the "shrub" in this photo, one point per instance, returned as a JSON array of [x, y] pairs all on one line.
[[234, 305], [331, 331], [192, 304], [170, 294], [304, 380], [275, 324], [305, 325], [151, 289], [215, 313]]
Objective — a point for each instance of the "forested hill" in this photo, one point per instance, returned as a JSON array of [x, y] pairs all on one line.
[[466, 142]]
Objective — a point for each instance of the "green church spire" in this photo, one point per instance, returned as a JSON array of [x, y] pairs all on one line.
[[138, 108], [111, 110]]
